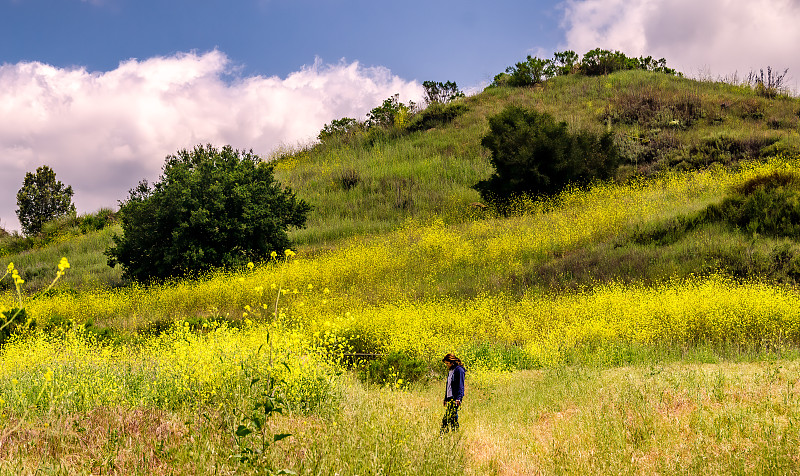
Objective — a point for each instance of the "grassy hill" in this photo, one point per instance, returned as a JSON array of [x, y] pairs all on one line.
[[646, 331], [369, 186]]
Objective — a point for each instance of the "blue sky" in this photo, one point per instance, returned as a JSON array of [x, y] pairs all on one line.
[[103, 90], [464, 41]]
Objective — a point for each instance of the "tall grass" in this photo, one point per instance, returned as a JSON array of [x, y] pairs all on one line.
[[659, 418], [656, 419]]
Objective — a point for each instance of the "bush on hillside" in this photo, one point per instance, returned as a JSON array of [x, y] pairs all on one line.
[[441, 93], [766, 205], [652, 107], [527, 73], [725, 150], [56, 230], [435, 115], [391, 113], [343, 129], [535, 70], [210, 208], [770, 86], [395, 369], [534, 155]]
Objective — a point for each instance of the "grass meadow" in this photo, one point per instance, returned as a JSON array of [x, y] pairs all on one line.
[[589, 349]]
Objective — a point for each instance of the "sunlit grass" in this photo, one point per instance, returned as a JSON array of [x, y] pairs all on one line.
[[657, 418]]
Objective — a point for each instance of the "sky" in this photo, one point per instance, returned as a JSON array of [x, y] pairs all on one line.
[[103, 90]]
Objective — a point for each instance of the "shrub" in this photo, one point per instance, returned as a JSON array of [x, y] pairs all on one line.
[[42, 198], [527, 73], [600, 62], [534, 155], [651, 107], [96, 221], [343, 129], [395, 369], [726, 150], [563, 63], [771, 86], [765, 205], [435, 115], [210, 208], [391, 113], [441, 93], [594, 63]]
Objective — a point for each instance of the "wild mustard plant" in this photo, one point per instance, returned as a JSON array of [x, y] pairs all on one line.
[[9, 316]]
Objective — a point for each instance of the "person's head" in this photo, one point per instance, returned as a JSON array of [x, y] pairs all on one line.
[[451, 361]]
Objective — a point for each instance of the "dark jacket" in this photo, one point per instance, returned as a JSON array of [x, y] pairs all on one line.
[[457, 383]]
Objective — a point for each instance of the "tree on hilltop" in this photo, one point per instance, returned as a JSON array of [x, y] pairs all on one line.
[[42, 198]]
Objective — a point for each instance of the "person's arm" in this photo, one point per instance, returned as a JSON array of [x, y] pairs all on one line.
[[458, 385]]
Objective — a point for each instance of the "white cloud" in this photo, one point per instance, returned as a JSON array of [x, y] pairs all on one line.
[[102, 132], [720, 37]]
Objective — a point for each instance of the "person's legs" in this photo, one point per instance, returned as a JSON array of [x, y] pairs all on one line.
[[450, 419]]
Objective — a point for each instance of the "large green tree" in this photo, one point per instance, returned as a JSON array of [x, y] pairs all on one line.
[[42, 198], [533, 154], [210, 208]]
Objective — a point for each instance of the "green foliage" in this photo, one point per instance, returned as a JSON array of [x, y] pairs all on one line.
[[766, 205], [653, 108], [395, 369], [391, 113], [527, 73], [600, 62], [57, 230], [42, 198], [343, 129], [210, 208], [442, 93], [535, 70], [563, 63], [726, 150], [11, 321], [436, 115], [253, 434], [534, 155]]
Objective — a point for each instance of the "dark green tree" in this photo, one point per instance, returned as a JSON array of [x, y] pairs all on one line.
[[42, 198], [210, 208], [534, 155]]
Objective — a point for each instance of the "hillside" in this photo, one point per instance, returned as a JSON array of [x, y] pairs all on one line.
[[371, 186], [660, 122]]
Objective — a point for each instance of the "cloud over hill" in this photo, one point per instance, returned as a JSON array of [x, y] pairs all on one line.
[[714, 38], [102, 132]]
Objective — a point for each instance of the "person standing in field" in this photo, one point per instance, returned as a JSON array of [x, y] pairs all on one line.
[[454, 392]]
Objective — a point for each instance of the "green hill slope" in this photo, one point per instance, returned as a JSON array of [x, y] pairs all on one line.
[[375, 184], [659, 121]]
